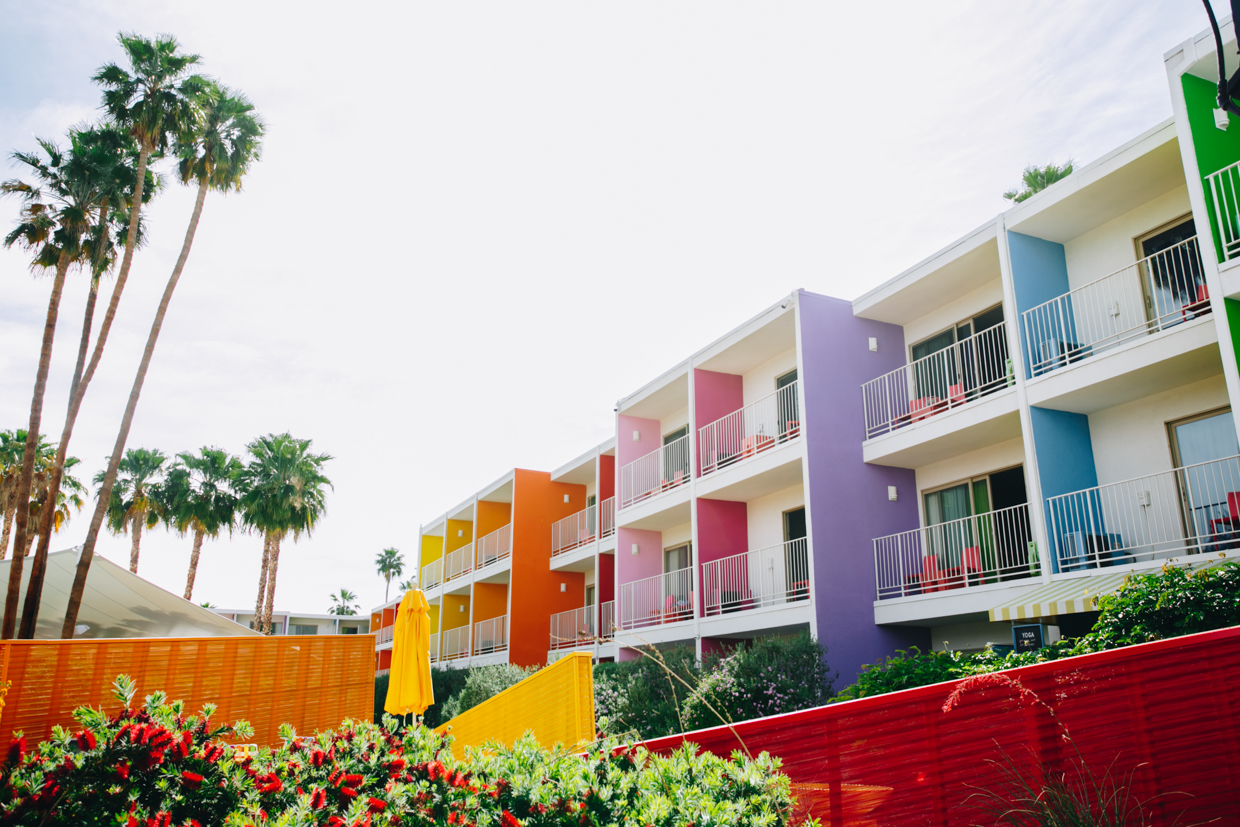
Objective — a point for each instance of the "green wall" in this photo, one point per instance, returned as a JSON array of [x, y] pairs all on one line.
[[1215, 148]]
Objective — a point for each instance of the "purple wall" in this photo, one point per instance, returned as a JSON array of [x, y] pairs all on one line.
[[848, 498], [715, 395]]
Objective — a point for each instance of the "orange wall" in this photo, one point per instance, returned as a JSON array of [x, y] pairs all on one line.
[[432, 548], [537, 504], [493, 516], [606, 477], [467, 534], [385, 659], [490, 600], [453, 617]]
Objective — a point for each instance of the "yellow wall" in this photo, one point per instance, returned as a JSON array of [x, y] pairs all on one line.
[[467, 534], [434, 617], [493, 516], [490, 600], [432, 548], [453, 617]]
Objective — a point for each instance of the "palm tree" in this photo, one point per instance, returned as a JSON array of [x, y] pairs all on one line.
[[198, 498], [1036, 179], [135, 501], [408, 585], [100, 164], [12, 450], [390, 564], [216, 155], [282, 492], [70, 499], [343, 603]]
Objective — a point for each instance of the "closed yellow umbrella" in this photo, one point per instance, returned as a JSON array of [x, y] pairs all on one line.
[[409, 681]]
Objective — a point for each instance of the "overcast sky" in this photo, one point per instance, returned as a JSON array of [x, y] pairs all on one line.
[[478, 224]]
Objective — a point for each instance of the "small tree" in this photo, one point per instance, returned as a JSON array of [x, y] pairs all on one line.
[[1035, 179]]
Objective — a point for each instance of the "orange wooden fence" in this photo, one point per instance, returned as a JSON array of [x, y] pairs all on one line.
[[310, 682]]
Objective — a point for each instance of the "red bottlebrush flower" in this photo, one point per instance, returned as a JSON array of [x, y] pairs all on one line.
[[86, 740], [191, 779], [452, 818], [122, 770], [396, 766], [376, 805], [131, 822], [538, 809], [164, 819], [193, 822], [270, 784], [348, 792], [318, 798], [317, 757], [336, 821], [352, 780], [17, 750], [507, 819]]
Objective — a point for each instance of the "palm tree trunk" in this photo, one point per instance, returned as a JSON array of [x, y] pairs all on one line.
[[387, 586], [118, 450], [136, 532], [193, 564], [77, 392], [8, 527], [32, 442], [271, 583], [262, 583]]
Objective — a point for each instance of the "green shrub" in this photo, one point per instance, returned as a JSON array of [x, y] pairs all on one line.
[[1169, 603], [769, 677], [381, 688], [482, 683], [639, 697], [446, 683]]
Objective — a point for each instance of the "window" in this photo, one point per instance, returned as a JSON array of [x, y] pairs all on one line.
[[675, 457], [787, 406], [348, 630], [680, 557], [967, 360], [1172, 278], [1204, 447], [678, 588], [300, 629], [589, 595], [973, 526], [796, 555]]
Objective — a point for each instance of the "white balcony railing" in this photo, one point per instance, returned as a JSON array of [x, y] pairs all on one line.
[[432, 574], [458, 563], [572, 628], [757, 427], [655, 601], [761, 577], [574, 530], [386, 633], [607, 517], [1155, 293], [972, 551], [491, 635], [607, 620], [1223, 190], [455, 643], [435, 647], [495, 546], [955, 376], [661, 470], [1187, 510]]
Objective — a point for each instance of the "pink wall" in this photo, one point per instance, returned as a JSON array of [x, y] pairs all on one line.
[[723, 529], [626, 449], [646, 563], [715, 395]]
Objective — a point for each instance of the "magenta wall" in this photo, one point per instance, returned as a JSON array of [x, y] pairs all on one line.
[[626, 449], [715, 395], [723, 529]]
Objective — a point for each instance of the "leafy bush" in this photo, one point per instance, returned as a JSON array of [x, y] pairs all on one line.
[[640, 697], [1170, 603], [482, 683], [771, 676], [446, 683], [157, 767]]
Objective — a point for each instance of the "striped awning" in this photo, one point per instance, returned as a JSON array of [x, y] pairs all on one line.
[[1078, 594]]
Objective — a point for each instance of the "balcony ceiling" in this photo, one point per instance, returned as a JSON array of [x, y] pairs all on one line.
[[1206, 64], [1119, 182], [660, 398], [499, 492], [749, 348], [949, 274]]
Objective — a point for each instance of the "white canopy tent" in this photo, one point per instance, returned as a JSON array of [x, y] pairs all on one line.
[[117, 604]]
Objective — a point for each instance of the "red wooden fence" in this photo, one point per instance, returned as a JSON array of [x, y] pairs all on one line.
[[1168, 712]]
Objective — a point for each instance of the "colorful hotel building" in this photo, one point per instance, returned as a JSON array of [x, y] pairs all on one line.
[[997, 434]]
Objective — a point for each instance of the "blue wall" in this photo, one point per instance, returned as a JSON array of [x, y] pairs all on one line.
[[1065, 464], [1039, 274]]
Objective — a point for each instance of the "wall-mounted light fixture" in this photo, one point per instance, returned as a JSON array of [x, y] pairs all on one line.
[[637, 436], [461, 608], [874, 344], [460, 532], [636, 548], [565, 498], [891, 493], [563, 587]]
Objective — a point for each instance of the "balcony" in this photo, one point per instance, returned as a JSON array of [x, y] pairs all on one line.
[[950, 378], [1156, 293], [435, 647], [661, 470], [458, 563], [574, 531], [607, 518], [572, 628], [607, 624], [455, 643], [385, 634], [495, 546], [757, 578], [491, 635], [959, 554], [1223, 190], [432, 574], [758, 427], [657, 601], [1189, 510]]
